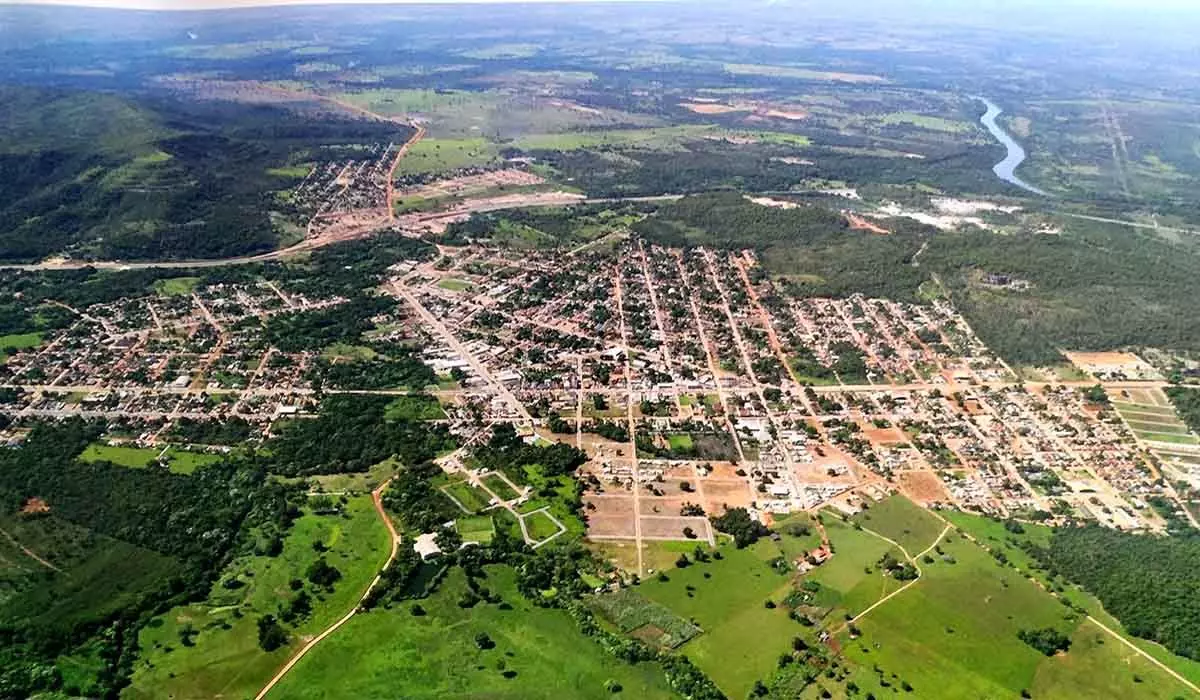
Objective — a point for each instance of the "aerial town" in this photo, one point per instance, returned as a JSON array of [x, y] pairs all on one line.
[[693, 382]]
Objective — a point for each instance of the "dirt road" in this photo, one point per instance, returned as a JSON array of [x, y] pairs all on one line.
[[394, 536]]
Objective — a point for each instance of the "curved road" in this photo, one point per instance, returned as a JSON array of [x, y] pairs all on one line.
[[395, 538]]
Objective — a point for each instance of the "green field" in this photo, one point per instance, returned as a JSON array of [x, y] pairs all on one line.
[[348, 352], [176, 286], [479, 528], [742, 638], [681, 442], [415, 407], [389, 653], [473, 498], [179, 461], [454, 285], [540, 526], [225, 659], [954, 635], [924, 121], [18, 341], [436, 154], [899, 519], [497, 485]]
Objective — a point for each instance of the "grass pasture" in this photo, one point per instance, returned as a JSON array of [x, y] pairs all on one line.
[[539, 654], [499, 486], [899, 519], [414, 407], [726, 598], [225, 659], [540, 525]]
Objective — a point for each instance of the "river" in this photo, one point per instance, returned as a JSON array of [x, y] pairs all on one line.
[[1006, 169]]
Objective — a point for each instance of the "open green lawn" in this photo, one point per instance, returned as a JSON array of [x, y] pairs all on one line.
[[992, 534], [540, 526], [225, 660], [176, 286], [954, 634], [476, 528], [135, 457], [348, 352], [473, 498], [1098, 666], [178, 461], [184, 462], [389, 653], [853, 552], [899, 519], [497, 485], [742, 638], [435, 154], [454, 285], [18, 341], [415, 407], [680, 442]]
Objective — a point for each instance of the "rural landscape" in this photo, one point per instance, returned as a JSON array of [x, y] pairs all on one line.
[[644, 350]]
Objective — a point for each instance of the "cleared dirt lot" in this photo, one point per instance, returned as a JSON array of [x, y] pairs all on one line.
[[672, 527], [923, 487]]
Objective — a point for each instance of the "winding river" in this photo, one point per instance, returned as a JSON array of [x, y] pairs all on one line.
[[1006, 169]]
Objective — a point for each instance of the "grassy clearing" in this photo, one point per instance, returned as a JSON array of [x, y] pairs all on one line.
[[1099, 666], [470, 497], [347, 352], [479, 528], [540, 526], [454, 285], [665, 138], [225, 659], [899, 519], [391, 653], [742, 638], [18, 341], [176, 286], [184, 462], [178, 461], [854, 551], [800, 73], [433, 155], [924, 121], [415, 407], [497, 485], [680, 442], [133, 457]]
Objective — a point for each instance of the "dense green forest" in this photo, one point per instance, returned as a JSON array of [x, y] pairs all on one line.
[[351, 434], [1187, 405], [120, 544], [1148, 582], [124, 177]]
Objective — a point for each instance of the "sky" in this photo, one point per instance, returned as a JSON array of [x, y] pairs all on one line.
[[221, 4]]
